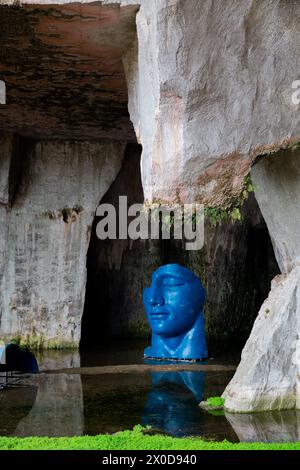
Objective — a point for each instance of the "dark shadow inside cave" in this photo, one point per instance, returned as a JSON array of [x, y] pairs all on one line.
[[111, 303], [236, 266]]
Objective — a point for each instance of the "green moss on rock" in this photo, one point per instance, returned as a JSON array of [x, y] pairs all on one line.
[[215, 401], [39, 342]]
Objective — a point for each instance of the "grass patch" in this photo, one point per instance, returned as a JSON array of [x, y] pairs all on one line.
[[133, 440], [215, 401]]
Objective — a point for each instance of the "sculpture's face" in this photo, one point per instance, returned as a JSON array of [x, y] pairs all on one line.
[[174, 301]]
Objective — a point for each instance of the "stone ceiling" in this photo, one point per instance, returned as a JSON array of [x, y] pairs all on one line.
[[62, 65]]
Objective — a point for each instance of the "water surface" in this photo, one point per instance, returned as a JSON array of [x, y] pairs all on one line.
[[65, 404]]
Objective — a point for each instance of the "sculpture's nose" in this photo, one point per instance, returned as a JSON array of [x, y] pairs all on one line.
[[155, 296], [157, 300]]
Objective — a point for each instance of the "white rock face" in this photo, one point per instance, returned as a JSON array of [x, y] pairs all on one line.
[[210, 87], [268, 375], [277, 189], [45, 236]]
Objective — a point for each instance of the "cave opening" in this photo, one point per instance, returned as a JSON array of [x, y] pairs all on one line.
[[236, 266], [111, 303]]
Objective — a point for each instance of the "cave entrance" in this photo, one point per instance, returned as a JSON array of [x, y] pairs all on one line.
[[236, 265], [113, 308]]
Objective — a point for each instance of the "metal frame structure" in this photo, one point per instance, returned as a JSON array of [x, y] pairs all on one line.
[[10, 378]]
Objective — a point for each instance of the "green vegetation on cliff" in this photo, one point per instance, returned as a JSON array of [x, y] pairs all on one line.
[[232, 212]]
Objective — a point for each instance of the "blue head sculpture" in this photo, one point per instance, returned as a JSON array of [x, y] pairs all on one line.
[[174, 307]]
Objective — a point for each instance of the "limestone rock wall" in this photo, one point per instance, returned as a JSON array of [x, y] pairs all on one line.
[[268, 375], [277, 188], [210, 87], [62, 66], [49, 195]]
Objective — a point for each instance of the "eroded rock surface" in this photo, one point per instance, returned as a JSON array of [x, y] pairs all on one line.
[[268, 375], [62, 65], [210, 88], [54, 191], [277, 188]]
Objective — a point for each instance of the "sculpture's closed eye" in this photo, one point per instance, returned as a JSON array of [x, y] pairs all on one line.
[[172, 281]]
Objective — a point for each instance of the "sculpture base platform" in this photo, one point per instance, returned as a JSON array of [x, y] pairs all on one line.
[[172, 359]]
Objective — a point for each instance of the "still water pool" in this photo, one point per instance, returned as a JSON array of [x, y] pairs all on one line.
[[68, 404]]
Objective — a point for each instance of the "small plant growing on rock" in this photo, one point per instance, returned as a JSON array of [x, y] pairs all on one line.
[[69, 214], [236, 214], [215, 401], [66, 213], [232, 212], [295, 146], [212, 404]]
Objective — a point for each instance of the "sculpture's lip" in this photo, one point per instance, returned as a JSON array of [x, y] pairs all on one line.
[[159, 314]]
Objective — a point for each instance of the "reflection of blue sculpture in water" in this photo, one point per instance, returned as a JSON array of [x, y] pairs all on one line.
[[174, 306], [173, 403]]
